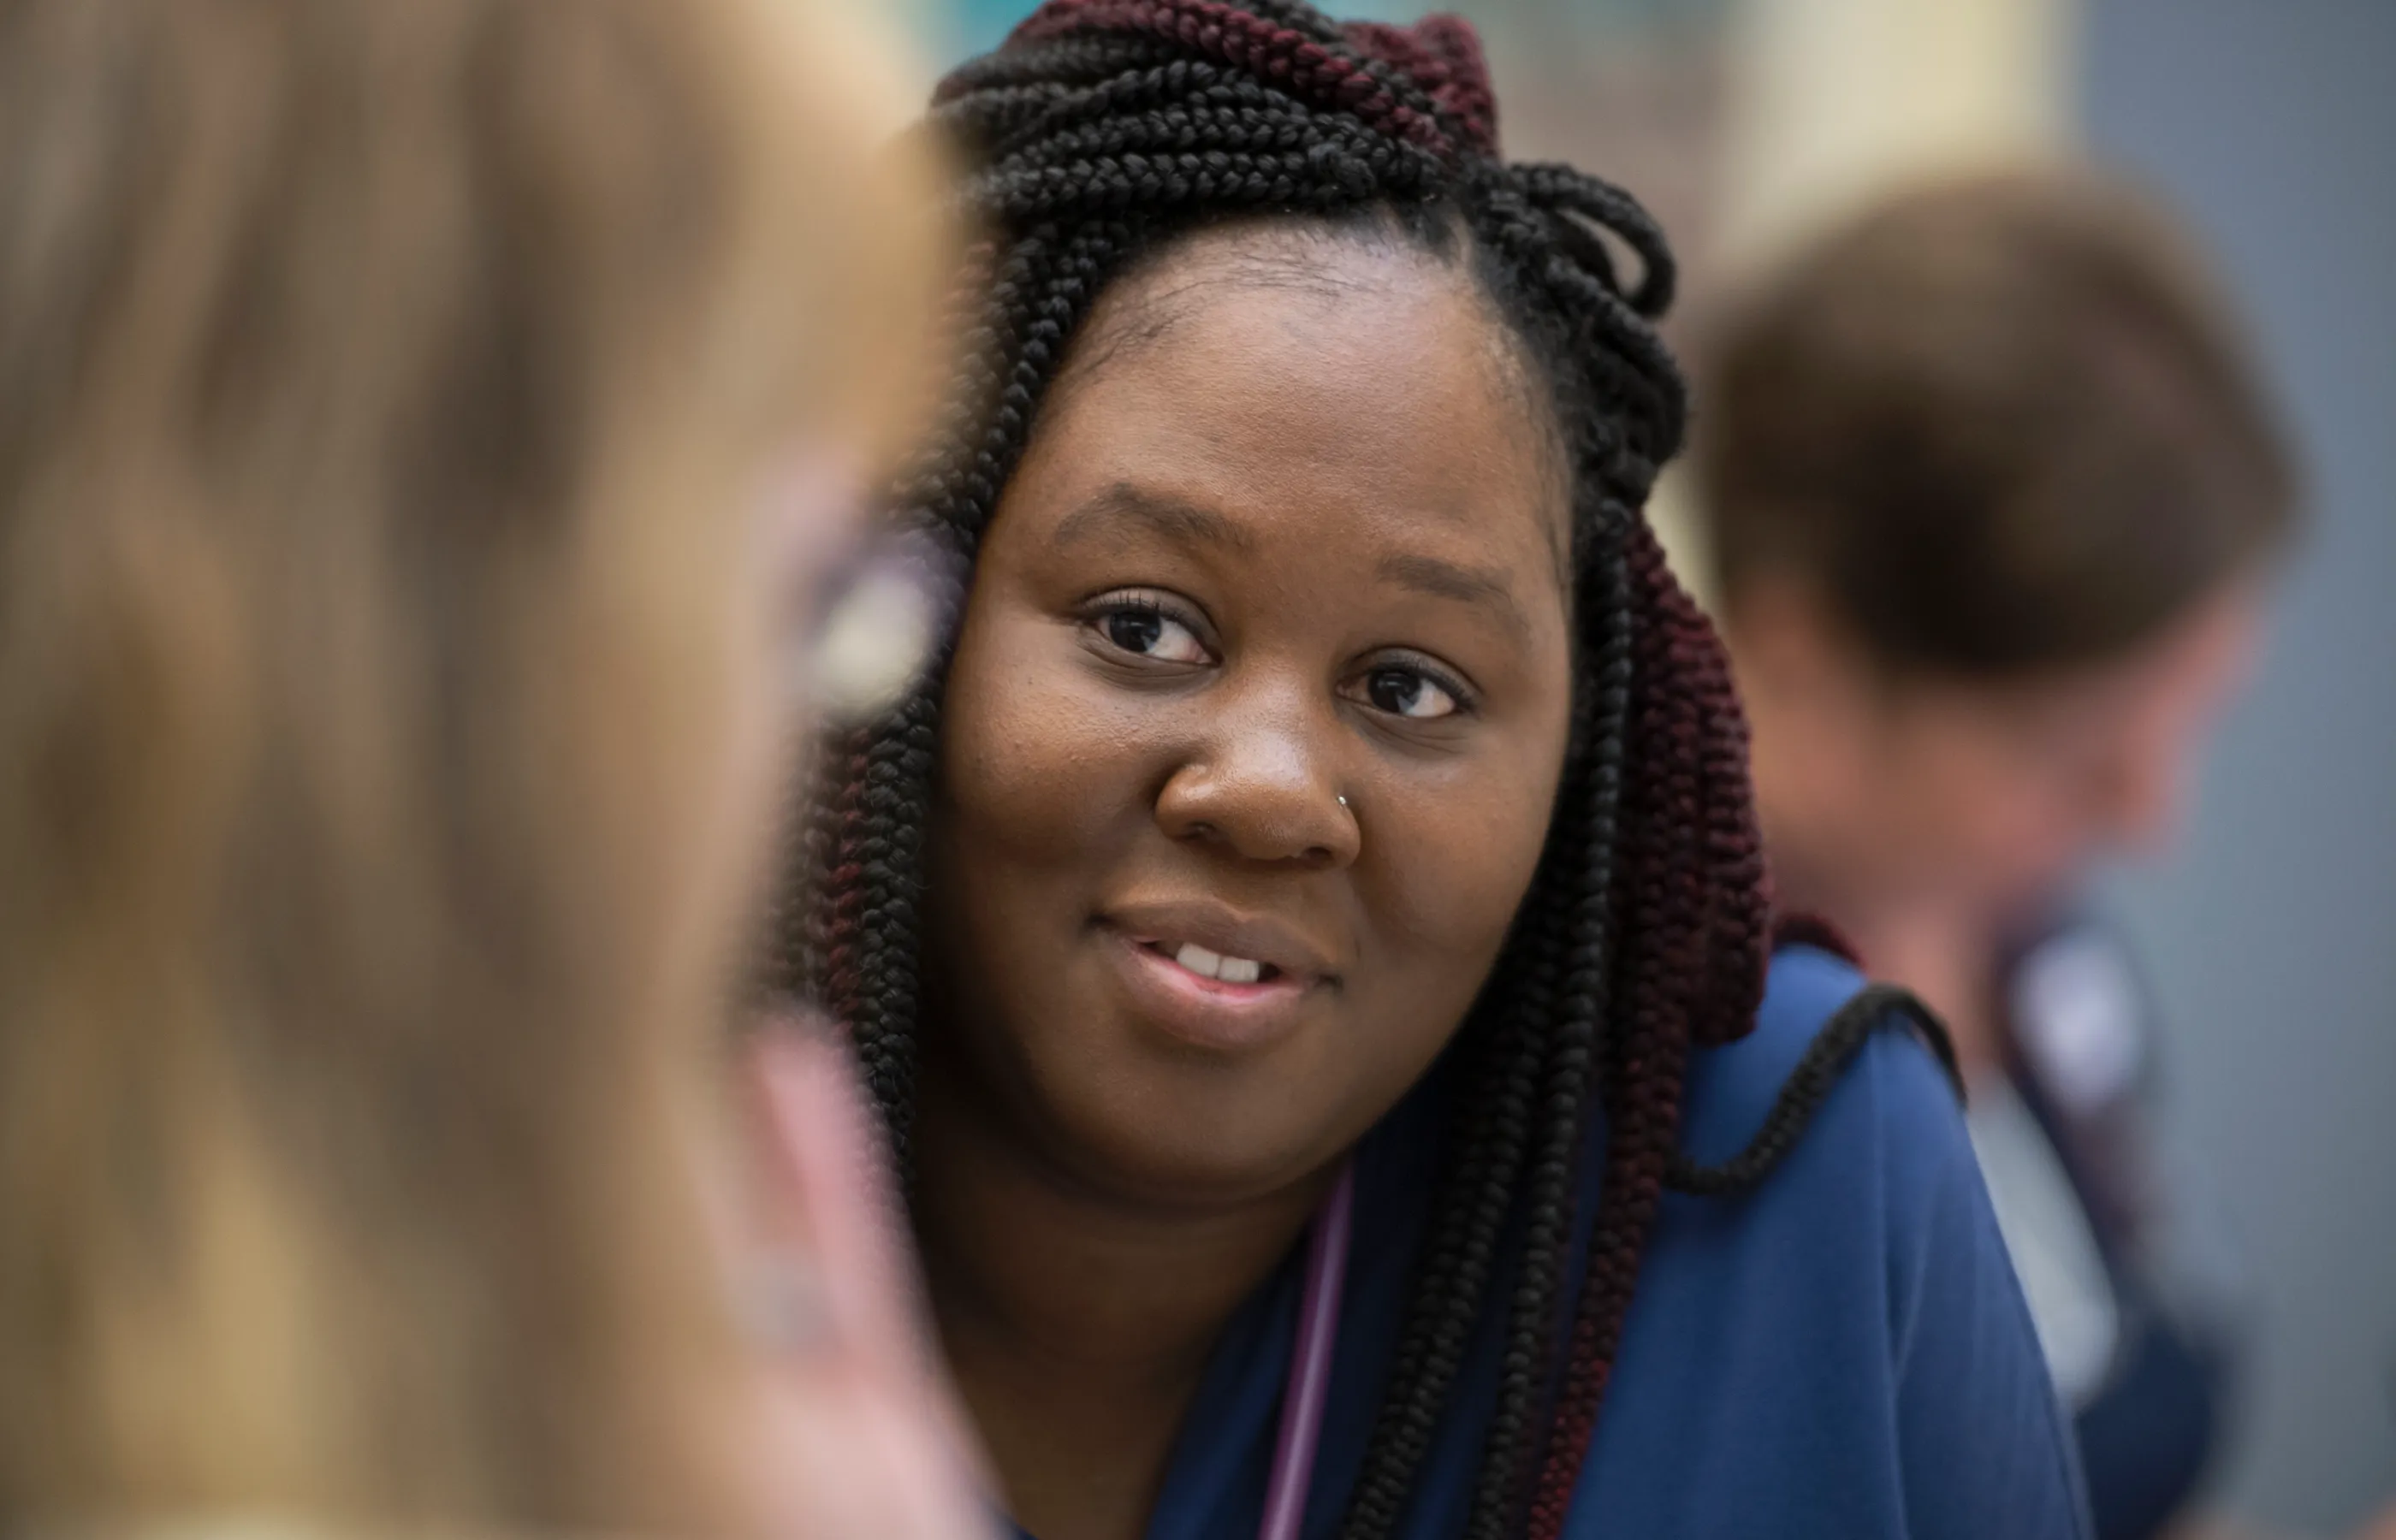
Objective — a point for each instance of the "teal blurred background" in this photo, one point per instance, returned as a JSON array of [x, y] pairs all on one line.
[[970, 26]]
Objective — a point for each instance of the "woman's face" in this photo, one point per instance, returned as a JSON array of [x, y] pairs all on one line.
[[1991, 796], [2030, 782], [1256, 718]]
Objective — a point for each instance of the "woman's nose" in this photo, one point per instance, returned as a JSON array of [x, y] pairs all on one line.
[[1264, 784]]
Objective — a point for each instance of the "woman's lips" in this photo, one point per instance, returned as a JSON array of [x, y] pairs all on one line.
[[1217, 933], [1227, 1014]]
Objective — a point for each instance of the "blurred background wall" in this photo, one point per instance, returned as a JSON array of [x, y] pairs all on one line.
[[2271, 933]]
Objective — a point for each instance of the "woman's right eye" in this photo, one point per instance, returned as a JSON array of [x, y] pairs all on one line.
[[1145, 631]]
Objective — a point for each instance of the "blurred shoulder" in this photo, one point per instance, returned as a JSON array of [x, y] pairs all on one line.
[[1841, 1342]]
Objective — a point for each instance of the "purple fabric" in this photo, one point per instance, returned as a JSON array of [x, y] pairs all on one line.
[[1310, 1363]]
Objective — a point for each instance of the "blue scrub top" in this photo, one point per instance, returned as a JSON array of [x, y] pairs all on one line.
[[1841, 1352]]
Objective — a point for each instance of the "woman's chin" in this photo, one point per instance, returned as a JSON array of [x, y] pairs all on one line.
[[1166, 1145]]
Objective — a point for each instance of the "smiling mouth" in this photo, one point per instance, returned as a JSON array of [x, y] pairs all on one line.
[[1220, 1001], [1212, 965]]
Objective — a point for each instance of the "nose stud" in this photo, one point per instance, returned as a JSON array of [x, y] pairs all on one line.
[[1343, 801]]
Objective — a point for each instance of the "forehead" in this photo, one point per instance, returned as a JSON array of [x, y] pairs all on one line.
[[1281, 365]]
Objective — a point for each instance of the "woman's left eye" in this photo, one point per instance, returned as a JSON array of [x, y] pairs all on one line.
[[1410, 692], [1146, 631]]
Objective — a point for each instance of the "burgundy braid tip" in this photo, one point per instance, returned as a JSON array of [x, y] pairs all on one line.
[[1307, 67], [1442, 55], [1799, 928]]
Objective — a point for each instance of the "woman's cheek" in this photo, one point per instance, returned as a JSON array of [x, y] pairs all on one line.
[[1455, 861], [1036, 748]]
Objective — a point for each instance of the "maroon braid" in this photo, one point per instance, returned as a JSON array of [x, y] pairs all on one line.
[[1100, 132], [1694, 889]]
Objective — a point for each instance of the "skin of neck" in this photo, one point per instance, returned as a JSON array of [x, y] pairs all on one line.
[[1077, 1321], [1818, 804]]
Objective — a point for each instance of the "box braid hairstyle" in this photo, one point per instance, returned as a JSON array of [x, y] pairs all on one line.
[[1101, 130]]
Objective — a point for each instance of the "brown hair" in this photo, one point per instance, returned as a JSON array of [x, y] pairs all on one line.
[[381, 386], [2000, 424]]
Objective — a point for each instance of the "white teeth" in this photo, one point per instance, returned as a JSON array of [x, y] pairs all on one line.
[[1198, 960], [1214, 965]]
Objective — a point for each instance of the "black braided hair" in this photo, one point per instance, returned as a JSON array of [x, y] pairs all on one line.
[[1872, 1008], [1100, 132]]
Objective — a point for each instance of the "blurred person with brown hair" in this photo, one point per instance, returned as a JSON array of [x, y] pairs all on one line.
[[1994, 496], [422, 435]]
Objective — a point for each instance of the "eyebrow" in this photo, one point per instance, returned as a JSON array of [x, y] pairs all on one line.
[[1187, 522], [1177, 519], [1483, 587]]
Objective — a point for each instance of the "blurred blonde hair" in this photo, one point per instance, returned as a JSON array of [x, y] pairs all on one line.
[[382, 384]]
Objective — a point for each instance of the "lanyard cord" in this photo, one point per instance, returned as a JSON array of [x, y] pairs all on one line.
[[1310, 1362]]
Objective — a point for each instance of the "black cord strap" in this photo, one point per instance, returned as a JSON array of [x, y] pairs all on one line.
[[1873, 1007]]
